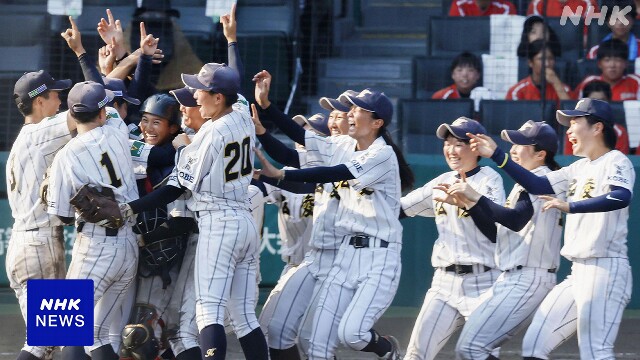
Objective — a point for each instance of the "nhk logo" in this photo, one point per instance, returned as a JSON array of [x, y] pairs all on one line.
[[617, 14], [60, 312]]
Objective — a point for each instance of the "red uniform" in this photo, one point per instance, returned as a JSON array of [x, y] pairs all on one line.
[[470, 8], [622, 143], [555, 7], [627, 88], [450, 92], [525, 89]]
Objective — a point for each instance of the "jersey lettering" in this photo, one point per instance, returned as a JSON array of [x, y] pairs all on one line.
[[307, 206], [572, 188], [106, 162], [588, 187], [440, 209], [238, 153]]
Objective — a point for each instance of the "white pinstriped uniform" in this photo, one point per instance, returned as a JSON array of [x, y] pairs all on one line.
[[592, 298], [518, 292], [295, 220], [452, 297], [36, 247], [223, 150], [287, 316], [362, 281], [100, 158]]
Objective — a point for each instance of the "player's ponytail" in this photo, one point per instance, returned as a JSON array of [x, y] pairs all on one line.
[[407, 179], [549, 158]]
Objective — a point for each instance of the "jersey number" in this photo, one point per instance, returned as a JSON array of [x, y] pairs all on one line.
[[239, 152], [106, 162]]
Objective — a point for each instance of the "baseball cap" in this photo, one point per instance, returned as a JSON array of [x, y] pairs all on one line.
[[88, 96], [318, 122], [119, 90], [335, 104], [214, 77], [372, 101], [460, 127], [587, 106], [185, 96], [533, 133], [32, 84]]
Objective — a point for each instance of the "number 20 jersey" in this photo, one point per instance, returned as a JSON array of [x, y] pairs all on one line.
[[218, 164]]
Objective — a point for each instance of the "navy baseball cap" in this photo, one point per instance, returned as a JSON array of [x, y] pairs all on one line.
[[335, 104], [318, 122], [584, 107], [185, 96], [218, 78], [372, 101], [32, 84], [533, 133], [119, 90], [88, 96], [460, 127]]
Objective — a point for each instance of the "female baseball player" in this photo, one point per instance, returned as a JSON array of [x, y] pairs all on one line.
[[284, 314], [462, 255], [370, 171], [527, 246], [36, 246], [99, 157], [599, 189]]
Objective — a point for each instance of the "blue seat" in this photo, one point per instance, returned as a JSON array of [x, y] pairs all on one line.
[[419, 120], [430, 74], [570, 36], [497, 115], [449, 36]]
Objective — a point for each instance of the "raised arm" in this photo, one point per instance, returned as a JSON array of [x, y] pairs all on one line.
[[274, 147], [74, 40], [229, 28], [271, 113], [486, 147]]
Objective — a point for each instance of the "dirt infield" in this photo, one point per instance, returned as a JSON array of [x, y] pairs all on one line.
[[397, 321]]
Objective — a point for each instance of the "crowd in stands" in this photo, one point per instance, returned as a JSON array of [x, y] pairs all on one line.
[[540, 46]]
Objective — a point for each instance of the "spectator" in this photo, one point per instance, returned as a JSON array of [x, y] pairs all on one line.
[[612, 62], [602, 91], [556, 7], [620, 31], [529, 87], [466, 70], [533, 29], [481, 7]]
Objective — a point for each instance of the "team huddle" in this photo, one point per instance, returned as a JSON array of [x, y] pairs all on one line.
[[168, 213]]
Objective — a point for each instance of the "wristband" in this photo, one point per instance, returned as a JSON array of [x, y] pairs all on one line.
[[504, 162], [122, 58]]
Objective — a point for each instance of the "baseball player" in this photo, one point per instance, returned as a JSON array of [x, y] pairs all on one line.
[[370, 175], [98, 156], [217, 167], [283, 318], [36, 246], [527, 246], [590, 301], [463, 256]]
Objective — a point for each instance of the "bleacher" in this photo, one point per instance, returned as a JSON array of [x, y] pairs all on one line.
[[403, 47]]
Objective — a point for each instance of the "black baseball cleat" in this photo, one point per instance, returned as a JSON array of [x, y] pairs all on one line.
[[394, 354]]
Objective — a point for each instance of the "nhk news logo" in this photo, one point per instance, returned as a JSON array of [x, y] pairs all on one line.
[[60, 312], [616, 14]]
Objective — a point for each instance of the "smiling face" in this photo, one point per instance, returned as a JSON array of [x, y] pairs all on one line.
[[212, 105], [191, 117], [458, 154], [362, 125], [526, 156], [338, 123], [465, 77], [156, 130], [581, 135]]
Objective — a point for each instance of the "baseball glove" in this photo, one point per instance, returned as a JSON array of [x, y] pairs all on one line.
[[99, 207]]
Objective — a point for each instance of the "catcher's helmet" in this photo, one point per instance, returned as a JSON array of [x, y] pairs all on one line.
[[164, 106]]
